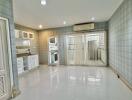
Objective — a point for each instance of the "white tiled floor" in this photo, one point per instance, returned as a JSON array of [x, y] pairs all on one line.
[[72, 83], [95, 63]]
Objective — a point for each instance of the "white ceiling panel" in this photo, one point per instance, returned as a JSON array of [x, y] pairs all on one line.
[[31, 13]]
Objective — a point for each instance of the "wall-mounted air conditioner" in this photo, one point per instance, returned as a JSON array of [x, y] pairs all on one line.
[[83, 27]]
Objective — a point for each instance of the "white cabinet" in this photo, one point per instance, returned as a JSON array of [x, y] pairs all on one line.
[[20, 65], [34, 61], [23, 34], [31, 62], [18, 34], [31, 35]]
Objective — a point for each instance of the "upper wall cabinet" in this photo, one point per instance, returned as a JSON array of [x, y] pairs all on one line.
[[31, 35], [23, 34], [18, 34]]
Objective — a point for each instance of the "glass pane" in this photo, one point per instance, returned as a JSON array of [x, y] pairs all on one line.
[[86, 49]]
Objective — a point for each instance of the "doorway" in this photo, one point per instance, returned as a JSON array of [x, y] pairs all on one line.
[[5, 63], [53, 54], [86, 49]]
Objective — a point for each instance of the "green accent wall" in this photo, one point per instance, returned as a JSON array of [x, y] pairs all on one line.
[[120, 41], [6, 11]]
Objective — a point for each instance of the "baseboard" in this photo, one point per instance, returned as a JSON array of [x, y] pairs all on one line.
[[15, 93], [122, 78], [87, 65]]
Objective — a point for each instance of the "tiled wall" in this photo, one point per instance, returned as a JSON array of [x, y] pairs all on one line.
[[7, 12], [34, 42], [60, 33], [120, 40], [43, 43]]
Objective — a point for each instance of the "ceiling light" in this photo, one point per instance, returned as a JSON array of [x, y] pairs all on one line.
[[93, 18], [40, 26], [64, 22], [43, 2]]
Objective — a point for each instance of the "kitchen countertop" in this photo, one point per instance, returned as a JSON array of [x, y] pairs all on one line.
[[24, 54]]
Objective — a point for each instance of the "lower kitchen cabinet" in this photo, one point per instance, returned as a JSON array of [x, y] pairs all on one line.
[[27, 63], [31, 62], [20, 65]]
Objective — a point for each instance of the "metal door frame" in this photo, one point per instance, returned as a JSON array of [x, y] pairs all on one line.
[[105, 44]]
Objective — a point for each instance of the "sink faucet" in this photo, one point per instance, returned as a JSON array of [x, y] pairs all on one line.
[[29, 51]]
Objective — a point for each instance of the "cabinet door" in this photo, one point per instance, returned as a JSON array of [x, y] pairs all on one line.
[[20, 65], [20, 35], [17, 33], [30, 61], [36, 61], [4, 61], [25, 35], [31, 35]]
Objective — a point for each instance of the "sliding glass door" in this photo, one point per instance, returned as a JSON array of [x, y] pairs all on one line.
[[75, 50], [86, 49]]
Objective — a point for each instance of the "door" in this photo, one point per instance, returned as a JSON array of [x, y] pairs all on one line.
[[75, 50], [53, 55], [92, 48], [4, 60], [86, 49]]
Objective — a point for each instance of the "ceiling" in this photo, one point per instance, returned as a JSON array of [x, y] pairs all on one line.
[[31, 13]]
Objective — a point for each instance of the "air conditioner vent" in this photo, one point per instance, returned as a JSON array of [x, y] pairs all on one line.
[[83, 27]]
